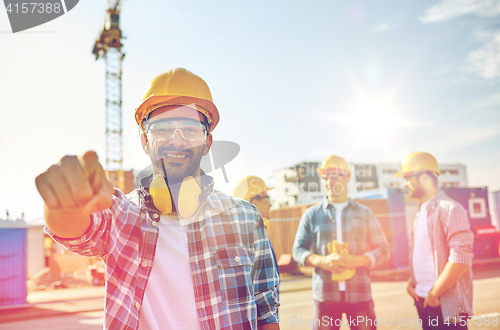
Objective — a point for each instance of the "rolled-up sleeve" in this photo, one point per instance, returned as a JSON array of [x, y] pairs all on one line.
[[265, 278], [459, 236], [93, 243], [303, 239], [377, 239]]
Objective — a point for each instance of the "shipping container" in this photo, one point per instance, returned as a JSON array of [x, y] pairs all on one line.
[[475, 202]]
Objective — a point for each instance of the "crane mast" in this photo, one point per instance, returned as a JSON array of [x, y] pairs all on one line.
[[109, 46]]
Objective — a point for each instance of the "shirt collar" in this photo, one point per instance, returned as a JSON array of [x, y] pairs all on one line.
[[435, 200], [325, 203]]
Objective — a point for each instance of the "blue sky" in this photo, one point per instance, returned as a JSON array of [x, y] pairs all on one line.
[[293, 81]]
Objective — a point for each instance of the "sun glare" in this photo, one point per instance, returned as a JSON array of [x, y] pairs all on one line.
[[372, 120]]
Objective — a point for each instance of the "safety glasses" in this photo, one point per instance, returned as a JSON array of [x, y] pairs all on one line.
[[417, 175], [408, 177], [165, 129], [258, 197], [334, 176]]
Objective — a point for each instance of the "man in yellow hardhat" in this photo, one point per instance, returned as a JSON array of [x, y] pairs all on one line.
[[440, 248], [178, 254], [254, 190], [341, 281]]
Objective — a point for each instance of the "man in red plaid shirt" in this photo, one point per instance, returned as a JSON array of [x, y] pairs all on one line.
[[178, 254], [440, 249]]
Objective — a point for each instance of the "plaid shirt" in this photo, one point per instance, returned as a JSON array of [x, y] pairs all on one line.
[[360, 228], [451, 240], [232, 267]]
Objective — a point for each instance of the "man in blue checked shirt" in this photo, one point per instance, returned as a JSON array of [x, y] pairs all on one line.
[[178, 254], [341, 282]]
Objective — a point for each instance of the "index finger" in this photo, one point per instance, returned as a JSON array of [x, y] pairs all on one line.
[[90, 164]]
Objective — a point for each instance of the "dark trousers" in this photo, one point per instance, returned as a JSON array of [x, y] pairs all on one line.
[[328, 315], [432, 318]]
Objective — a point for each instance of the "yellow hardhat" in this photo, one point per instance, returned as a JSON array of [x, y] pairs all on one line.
[[335, 164], [418, 162], [249, 187], [178, 87]]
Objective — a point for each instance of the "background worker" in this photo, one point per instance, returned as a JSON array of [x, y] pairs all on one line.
[[440, 248], [254, 190], [178, 254], [339, 217]]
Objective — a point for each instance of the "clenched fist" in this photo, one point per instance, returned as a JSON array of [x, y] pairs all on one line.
[[72, 190]]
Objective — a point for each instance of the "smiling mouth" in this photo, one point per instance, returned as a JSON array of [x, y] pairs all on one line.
[[177, 156]]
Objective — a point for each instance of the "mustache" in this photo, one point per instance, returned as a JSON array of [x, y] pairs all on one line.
[[160, 157], [163, 151]]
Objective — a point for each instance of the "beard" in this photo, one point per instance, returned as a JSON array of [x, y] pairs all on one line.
[[418, 192], [175, 172], [336, 190]]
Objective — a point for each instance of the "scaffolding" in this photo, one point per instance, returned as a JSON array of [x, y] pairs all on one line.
[[109, 46]]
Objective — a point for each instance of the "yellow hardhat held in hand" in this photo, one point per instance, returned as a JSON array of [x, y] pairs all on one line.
[[334, 164], [178, 87], [343, 250], [249, 187], [418, 162]]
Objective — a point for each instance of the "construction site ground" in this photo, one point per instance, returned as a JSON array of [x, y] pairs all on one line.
[[66, 301]]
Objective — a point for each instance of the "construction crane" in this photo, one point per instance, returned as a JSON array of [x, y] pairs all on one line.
[[109, 46]]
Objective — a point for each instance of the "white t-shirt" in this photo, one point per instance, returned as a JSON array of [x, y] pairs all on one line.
[[339, 207], [169, 298], [423, 261]]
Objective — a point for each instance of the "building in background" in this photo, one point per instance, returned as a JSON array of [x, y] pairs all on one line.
[[300, 183], [297, 184]]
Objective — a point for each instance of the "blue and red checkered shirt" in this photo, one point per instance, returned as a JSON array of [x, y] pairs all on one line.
[[360, 228], [232, 267]]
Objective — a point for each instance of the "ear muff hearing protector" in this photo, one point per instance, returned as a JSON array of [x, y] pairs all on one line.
[[189, 197], [188, 200], [161, 195]]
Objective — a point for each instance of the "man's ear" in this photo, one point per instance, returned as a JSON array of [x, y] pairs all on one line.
[[144, 142], [208, 144]]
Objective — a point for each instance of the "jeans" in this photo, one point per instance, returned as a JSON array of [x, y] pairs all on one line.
[[328, 315], [432, 318]]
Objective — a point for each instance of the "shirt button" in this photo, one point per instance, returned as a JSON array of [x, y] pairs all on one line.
[[153, 223], [237, 259], [144, 264], [196, 259], [137, 305], [155, 215], [202, 304]]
